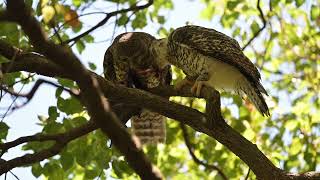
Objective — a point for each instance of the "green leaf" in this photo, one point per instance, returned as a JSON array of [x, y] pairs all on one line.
[[10, 78], [208, 12], [289, 1], [296, 146], [3, 130], [67, 160], [92, 66], [254, 27], [88, 38], [80, 46], [53, 171], [274, 3], [36, 170], [123, 20], [299, 2], [82, 155], [67, 83], [70, 105], [53, 112], [92, 173], [140, 21], [10, 32], [228, 20], [315, 12], [161, 19], [58, 92], [77, 3], [53, 127], [236, 32], [292, 124], [232, 4]]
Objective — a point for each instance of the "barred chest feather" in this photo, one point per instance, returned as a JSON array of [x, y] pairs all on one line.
[[191, 62], [222, 76]]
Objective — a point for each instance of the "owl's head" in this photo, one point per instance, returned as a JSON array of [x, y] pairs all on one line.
[[159, 51]]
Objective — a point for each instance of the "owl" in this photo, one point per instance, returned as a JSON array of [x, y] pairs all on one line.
[[130, 62], [211, 58]]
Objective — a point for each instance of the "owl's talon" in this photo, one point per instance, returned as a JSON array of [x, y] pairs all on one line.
[[197, 86]]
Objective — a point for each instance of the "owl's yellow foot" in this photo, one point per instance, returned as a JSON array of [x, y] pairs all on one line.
[[182, 83], [197, 86]]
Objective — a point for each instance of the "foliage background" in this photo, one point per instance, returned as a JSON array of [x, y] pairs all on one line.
[[287, 51]]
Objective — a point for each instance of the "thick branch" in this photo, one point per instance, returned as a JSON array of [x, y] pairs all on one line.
[[93, 99]]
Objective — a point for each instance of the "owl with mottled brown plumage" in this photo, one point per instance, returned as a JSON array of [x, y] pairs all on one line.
[[130, 62], [211, 58]]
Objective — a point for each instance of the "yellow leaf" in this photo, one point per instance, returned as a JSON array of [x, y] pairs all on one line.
[[47, 13], [44, 2], [60, 9]]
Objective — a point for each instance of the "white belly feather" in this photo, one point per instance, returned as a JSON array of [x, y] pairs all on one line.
[[223, 76]]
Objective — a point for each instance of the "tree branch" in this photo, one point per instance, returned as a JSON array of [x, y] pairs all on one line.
[[67, 136], [60, 139], [34, 89], [97, 106], [70, 135], [194, 157], [256, 34]]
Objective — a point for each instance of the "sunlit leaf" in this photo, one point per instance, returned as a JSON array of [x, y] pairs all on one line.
[[47, 13], [315, 12]]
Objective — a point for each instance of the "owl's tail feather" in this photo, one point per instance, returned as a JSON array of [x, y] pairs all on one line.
[[254, 93], [149, 127], [261, 88]]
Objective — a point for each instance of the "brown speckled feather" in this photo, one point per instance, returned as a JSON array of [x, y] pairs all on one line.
[[210, 42], [208, 56], [128, 61]]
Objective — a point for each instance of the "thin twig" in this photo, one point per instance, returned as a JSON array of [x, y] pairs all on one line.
[[74, 18], [248, 173], [194, 157], [108, 16], [30, 94], [256, 34], [14, 175], [34, 89], [88, 127], [12, 103]]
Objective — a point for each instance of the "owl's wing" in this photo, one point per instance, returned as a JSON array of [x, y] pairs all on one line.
[[212, 43], [115, 69], [108, 66]]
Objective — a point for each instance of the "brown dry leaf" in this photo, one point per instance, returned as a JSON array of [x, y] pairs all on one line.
[[71, 18]]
